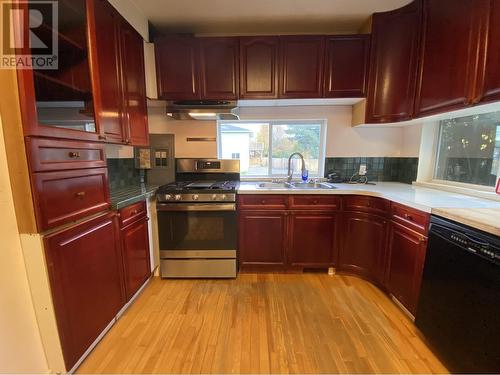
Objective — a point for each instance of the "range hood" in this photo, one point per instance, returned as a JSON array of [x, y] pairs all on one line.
[[202, 110]]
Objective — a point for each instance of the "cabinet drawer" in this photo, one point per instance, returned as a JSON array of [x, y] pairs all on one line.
[[131, 213], [62, 197], [372, 205], [315, 202], [411, 218], [262, 201], [52, 155]]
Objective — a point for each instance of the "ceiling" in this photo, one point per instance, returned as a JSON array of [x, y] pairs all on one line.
[[262, 16]]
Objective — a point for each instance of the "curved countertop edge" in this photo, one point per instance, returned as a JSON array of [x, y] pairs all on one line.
[[479, 213], [128, 195]]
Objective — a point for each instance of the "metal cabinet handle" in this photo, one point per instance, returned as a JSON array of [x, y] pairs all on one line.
[[80, 194], [134, 212], [409, 217], [74, 154]]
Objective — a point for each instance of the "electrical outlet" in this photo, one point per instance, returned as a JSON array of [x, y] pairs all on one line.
[[362, 170]]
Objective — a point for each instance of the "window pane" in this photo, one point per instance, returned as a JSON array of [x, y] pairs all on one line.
[[469, 149], [303, 138], [248, 142]]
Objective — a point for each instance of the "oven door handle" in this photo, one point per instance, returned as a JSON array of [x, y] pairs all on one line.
[[196, 207]]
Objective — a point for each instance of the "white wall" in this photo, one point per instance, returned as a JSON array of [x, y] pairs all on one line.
[[20, 343], [342, 139]]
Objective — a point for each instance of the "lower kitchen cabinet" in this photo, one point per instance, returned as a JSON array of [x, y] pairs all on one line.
[[135, 250], [363, 251], [85, 270], [312, 239], [262, 237], [406, 261]]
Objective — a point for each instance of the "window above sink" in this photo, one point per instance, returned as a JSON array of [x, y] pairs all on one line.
[[263, 147]]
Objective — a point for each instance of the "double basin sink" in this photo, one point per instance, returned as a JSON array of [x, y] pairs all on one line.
[[296, 185]]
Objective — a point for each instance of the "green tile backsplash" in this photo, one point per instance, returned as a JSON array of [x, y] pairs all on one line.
[[122, 173], [379, 169]]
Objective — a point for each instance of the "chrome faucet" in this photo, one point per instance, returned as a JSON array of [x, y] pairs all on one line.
[[290, 171]]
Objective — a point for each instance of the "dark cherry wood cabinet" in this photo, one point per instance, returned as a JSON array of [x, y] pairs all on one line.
[[302, 63], [133, 86], [312, 239], [219, 68], [406, 260], [346, 66], [364, 243], [450, 58], [60, 102], [262, 240], [135, 247], [489, 74], [84, 267], [259, 64], [177, 67], [394, 56], [109, 100]]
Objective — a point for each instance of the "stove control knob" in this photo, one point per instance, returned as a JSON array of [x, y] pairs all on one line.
[[177, 197], [168, 197], [223, 197], [196, 197], [214, 197]]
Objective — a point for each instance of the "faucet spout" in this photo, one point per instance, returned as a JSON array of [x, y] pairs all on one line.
[[290, 171]]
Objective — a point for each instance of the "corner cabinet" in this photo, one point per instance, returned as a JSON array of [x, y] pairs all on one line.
[[85, 272], [302, 65], [394, 56], [453, 36], [346, 66]]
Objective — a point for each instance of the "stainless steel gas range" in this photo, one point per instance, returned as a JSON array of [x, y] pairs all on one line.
[[197, 220]]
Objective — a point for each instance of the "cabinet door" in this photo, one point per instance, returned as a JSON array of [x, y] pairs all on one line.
[[450, 54], [85, 274], [407, 254], [363, 251], [58, 101], [302, 61], [262, 240], [219, 68], [108, 98], [490, 88], [312, 239], [259, 67], [177, 68], [394, 55], [134, 85], [135, 251], [346, 69]]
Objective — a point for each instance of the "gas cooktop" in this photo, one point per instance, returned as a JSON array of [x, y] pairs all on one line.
[[201, 186]]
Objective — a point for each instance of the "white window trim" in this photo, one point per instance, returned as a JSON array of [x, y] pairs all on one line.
[[427, 163], [322, 146]]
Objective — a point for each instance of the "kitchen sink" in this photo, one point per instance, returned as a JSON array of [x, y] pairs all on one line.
[[312, 185], [274, 185], [295, 185]]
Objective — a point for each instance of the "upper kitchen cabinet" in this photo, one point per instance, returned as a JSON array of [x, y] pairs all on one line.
[[219, 68], [134, 86], [395, 44], [489, 83], [58, 100], [259, 67], [109, 101], [177, 67], [302, 62], [346, 67], [453, 35]]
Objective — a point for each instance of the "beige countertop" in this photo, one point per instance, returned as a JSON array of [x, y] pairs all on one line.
[[483, 214]]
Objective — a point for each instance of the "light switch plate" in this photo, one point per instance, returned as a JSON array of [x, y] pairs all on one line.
[[362, 170]]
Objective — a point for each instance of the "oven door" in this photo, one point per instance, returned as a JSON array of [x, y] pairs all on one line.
[[198, 230]]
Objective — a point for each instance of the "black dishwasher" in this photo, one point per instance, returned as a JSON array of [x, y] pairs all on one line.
[[459, 304]]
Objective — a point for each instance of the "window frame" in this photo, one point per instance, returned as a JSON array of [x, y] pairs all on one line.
[[273, 122]]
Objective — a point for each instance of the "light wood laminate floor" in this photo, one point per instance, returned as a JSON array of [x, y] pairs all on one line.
[[263, 323]]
